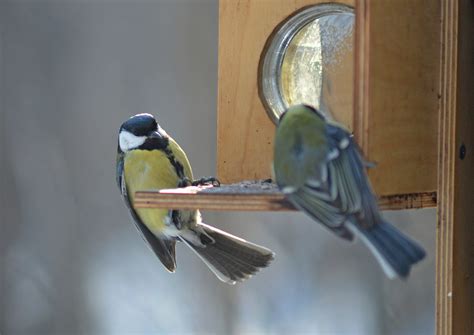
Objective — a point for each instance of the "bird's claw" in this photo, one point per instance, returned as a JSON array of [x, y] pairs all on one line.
[[206, 181]]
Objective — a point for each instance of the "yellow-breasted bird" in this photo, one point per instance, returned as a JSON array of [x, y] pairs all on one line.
[[148, 158], [319, 167]]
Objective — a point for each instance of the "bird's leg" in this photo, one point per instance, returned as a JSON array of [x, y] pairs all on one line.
[[213, 181], [185, 182], [176, 219]]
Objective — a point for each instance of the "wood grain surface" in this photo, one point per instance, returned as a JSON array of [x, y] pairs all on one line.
[[455, 230], [251, 196], [244, 131], [397, 92]]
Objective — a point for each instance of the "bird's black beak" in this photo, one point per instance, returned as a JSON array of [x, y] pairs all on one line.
[[155, 135]]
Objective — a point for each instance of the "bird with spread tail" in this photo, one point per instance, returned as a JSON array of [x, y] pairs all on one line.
[[319, 167], [148, 158]]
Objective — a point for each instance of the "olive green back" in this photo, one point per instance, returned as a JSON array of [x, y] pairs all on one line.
[[300, 146]]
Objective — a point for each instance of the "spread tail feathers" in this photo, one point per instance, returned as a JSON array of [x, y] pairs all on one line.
[[230, 258], [395, 252]]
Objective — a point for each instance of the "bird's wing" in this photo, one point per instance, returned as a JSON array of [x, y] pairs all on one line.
[[163, 248], [355, 195], [343, 192], [322, 211], [318, 196], [181, 157], [119, 169]]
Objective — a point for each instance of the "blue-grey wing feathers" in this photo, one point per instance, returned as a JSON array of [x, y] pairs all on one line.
[[345, 203]]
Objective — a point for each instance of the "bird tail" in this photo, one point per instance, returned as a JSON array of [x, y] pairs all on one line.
[[395, 252], [229, 257]]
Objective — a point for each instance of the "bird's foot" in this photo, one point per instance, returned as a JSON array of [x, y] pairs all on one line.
[[206, 181]]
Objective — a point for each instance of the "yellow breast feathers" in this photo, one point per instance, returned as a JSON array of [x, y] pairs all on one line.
[[145, 170]]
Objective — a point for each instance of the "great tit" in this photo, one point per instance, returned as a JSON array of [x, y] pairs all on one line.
[[319, 167], [148, 158]]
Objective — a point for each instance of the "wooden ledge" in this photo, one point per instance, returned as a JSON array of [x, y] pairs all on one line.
[[253, 196]]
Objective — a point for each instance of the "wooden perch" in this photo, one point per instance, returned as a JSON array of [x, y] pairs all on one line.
[[251, 196]]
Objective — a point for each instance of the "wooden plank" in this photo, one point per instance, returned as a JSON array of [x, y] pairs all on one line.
[[245, 132], [251, 196], [361, 74], [408, 201], [396, 92], [455, 230], [244, 196]]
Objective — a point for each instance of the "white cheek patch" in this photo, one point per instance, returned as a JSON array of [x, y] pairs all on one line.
[[129, 141]]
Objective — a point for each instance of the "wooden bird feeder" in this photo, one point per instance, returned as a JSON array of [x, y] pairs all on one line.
[[411, 111]]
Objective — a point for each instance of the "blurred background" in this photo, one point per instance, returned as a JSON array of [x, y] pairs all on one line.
[[71, 261]]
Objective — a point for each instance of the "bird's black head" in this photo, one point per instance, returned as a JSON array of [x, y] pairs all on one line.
[[140, 125], [141, 131]]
